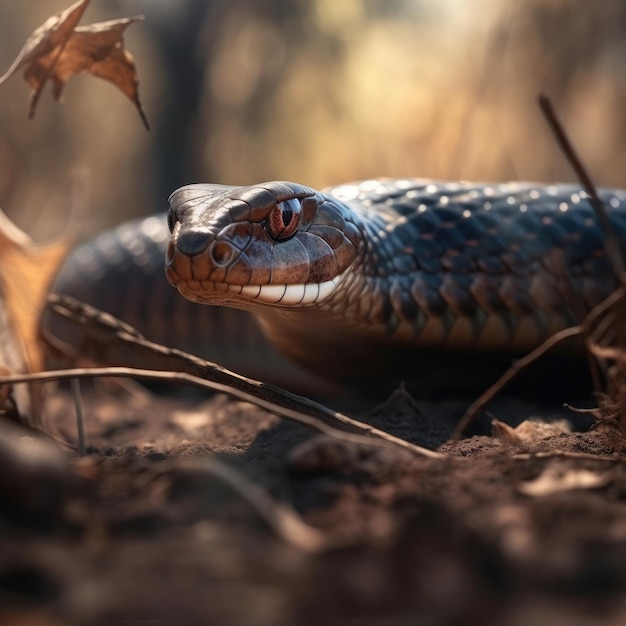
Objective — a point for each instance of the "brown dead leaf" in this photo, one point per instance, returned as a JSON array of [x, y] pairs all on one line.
[[528, 431], [557, 479], [53, 33], [26, 271], [59, 49]]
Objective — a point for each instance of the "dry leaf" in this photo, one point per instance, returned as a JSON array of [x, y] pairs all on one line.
[[59, 49], [528, 431], [53, 33], [555, 479], [26, 271]]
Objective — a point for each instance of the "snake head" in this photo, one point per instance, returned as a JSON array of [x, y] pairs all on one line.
[[275, 243]]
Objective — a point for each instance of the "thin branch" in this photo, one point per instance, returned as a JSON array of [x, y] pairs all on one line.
[[346, 429], [80, 422], [509, 375], [592, 324], [565, 454], [109, 341], [611, 244], [287, 525]]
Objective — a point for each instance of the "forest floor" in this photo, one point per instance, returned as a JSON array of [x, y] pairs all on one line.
[[212, 511]]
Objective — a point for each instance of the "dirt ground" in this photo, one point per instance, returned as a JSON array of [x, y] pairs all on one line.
[[212, 511]]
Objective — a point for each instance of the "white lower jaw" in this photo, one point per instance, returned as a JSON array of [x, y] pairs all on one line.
[[290, 295]]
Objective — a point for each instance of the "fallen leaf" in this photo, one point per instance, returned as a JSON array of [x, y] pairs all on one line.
[[26, 271], [60, 49], [528, 431], [555, 479]]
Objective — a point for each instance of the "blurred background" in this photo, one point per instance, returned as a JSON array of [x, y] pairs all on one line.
[[316, 91]]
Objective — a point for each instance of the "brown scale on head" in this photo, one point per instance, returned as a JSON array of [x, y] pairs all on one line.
[[276, 243]]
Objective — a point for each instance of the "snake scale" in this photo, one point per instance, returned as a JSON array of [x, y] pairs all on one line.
[[361, 281]]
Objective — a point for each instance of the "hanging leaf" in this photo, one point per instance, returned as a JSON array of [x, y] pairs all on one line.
[[60, 49]]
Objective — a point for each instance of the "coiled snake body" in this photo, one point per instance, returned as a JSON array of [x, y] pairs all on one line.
[[365, 277]]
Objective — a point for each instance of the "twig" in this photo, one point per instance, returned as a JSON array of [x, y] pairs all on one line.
[[597, 330], [611, 244], [565, 454], [519, 365], [584, 330], [80, 423], [287, 525], [587, 328], [344, 427], [112, 342]]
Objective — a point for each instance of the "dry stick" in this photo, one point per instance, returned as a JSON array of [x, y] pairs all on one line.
[[565, 454], [601, 309], [594, 328], [120, 334], [613, 251], [509, 375], [114, 334], [583, 329], [278, 516], [80, 422], [609, 353], [611, 244], [605, 329], [610, 239], [366, 434]]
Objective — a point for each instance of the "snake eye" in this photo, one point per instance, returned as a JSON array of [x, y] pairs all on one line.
[[283, 220]]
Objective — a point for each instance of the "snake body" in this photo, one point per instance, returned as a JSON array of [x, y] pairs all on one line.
[[363, 277]]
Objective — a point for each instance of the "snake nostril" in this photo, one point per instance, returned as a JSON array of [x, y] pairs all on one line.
[[222, 253]]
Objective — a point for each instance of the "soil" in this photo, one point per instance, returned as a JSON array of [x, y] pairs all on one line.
[[212, 511]]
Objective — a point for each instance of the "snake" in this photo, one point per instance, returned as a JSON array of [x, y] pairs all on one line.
[[359, 281]]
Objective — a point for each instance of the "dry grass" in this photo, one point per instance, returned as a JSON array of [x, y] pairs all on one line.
[[320, 96]]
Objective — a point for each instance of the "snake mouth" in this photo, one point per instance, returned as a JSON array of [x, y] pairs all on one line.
[[208, 291], [294, 295]]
